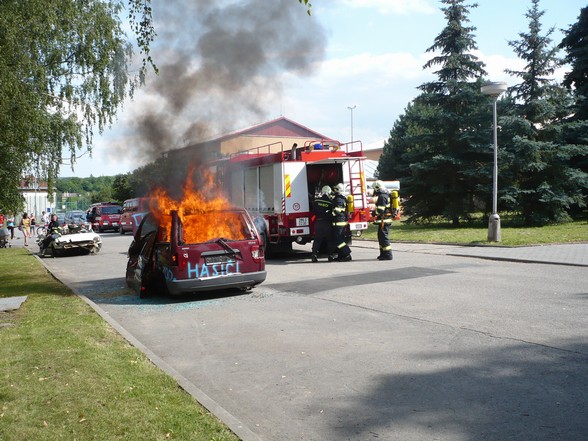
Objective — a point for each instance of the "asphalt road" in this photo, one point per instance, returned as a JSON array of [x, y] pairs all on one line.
[[424, 347]]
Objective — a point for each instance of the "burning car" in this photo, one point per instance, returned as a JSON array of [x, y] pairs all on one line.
[[194, 245]]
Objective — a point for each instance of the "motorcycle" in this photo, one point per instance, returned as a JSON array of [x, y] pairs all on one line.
[[71, 240]]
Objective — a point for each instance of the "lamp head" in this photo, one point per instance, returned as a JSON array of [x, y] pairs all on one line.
[[494, 88]]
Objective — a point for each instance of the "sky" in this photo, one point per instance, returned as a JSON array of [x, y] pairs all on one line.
[[349, 69]]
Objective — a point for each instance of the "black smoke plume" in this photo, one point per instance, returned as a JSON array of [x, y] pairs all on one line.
[[221, 65]]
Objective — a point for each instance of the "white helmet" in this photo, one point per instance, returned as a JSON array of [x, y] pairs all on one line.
[[378, 186], [339, 188], [326, 190]]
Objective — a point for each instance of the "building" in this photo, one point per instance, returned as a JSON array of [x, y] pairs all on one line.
[[36, 196], [372, 151], [280, 133]]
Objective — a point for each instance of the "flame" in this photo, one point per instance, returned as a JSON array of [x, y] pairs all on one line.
[[198, 211]]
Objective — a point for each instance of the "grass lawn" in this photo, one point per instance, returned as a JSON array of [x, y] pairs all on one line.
[[477, 233], [66, 374]]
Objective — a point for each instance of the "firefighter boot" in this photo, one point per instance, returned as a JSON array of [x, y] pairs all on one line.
[[314, 258]]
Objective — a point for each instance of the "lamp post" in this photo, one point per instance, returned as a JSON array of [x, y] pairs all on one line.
[[351, 109], [494, 89]]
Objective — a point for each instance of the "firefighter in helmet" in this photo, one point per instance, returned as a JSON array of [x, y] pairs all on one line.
[[383, 220], [340, 222], [323, 230]]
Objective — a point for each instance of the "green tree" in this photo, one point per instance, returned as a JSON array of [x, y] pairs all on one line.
[[63, 74], [539, 180], [122, 188], [437, 148], [575, 130], [575, 43]]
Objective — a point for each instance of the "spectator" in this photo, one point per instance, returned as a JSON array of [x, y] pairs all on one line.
[[10, 224], [25, 227], [33, 224]]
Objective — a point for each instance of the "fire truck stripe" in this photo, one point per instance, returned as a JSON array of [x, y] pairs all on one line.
[[287, 185]]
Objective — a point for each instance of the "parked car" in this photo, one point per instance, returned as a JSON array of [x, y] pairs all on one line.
[[71, 242], [133, 211], [104, 216], [61, 218], [201, 252], [74, 217]]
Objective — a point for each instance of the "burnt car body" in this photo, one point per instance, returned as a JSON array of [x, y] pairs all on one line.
[[176, 255]]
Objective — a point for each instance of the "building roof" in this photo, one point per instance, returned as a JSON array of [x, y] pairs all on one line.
[[279, 127]]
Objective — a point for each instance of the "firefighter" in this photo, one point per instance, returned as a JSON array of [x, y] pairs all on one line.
[[323, 231], [383, 220], [53, 232], [340, 222]]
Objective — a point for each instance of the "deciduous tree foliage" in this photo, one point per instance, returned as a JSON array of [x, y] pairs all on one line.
[[63, 74]]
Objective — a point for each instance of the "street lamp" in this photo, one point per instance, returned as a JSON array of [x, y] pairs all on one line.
[[494, 89], [351, 108]]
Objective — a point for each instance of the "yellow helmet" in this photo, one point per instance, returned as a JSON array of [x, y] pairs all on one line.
[[326, 190]]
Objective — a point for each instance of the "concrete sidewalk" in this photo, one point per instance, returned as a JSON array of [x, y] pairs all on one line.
[[561, 254]]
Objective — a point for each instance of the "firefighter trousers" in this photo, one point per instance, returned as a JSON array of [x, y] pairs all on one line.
[[323, 237], [384, 241], [340, 246]]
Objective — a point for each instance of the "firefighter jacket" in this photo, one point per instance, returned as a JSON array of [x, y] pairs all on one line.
[[323, 207], [53, 228], [340, 211], [383, 210]]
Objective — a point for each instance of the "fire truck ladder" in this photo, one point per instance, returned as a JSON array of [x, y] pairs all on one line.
[[357, 183]]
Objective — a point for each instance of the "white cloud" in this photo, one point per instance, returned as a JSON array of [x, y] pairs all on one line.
[[400, 7]]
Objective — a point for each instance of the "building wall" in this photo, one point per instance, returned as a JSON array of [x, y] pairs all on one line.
[[36, 202]]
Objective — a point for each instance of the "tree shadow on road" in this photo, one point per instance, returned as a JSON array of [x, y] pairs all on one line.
[[517, 391]]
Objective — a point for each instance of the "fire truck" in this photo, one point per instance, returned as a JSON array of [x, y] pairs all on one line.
[[278, 186]]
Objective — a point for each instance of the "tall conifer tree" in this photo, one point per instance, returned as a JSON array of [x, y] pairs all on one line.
[[543, 186], [575, 131], [437, 149]]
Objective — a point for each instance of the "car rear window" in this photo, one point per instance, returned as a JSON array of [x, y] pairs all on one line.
[[205, 227]]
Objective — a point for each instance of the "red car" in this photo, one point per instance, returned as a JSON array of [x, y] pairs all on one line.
[[195, 252], [104, 216], [133, 211]]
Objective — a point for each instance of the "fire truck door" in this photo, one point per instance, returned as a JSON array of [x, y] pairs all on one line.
[[295, 188]]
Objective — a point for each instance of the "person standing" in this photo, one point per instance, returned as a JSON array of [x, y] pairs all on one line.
[[323, 207], [33, 224], [340, 222], [10, 224], [25, 227], [383, 219], [45, 218]]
